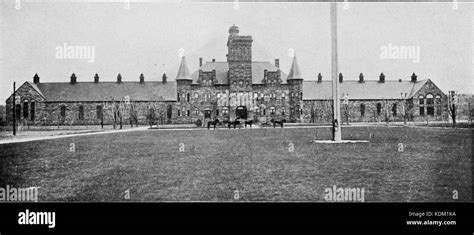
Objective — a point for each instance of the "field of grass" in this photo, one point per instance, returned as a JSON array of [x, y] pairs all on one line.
[[258, 163]]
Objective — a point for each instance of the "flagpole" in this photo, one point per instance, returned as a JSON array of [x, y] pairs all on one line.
[[335, 83]]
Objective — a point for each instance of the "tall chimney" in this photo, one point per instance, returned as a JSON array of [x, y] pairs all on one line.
[[341, 77], [361, 78], [36, 79], [413, 77], [142, 78], [277, 63], [164, 78], [382, 78], [119, 78], [96, 78], [200, 61], [320, 78], [73, 78]]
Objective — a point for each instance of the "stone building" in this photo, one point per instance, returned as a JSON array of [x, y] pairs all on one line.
[[236, 88], [375, 100]]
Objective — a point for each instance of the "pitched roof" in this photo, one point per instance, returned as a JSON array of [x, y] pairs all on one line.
[[223, 67], [105, 91], [183, 71], [369, 90], [36, 88], [295, 72]]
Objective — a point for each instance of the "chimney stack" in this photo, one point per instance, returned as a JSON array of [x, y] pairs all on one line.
[[320, 78], [213, 60], [200, 61], [142, 78], [277, 63], [382, 78], [164, 78], [36, 79], [341, 77], [73, 78], [119, 78], [361, 78], [413, 77], [96, 78]]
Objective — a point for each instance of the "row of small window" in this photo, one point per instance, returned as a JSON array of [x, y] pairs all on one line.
[[430, 99], [430, 109], [378, 107], [225, 112], [27, 106], [80, 111], [257, 96]]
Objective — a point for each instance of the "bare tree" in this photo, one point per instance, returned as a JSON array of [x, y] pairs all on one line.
[[386, 110], [312, 113], [405, 108], [452, 105], [346, 111], [115, 110], [133, 113]]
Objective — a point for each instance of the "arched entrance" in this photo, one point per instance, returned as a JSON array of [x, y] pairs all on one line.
[[241, 112]]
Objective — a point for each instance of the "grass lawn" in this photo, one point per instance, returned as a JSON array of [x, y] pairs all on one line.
[[256, 162]]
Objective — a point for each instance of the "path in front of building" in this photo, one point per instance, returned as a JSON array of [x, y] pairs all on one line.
[[21, 139]]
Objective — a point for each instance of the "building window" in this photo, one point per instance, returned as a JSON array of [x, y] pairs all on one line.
[[188, 97], [272, 110], [18, 111], [283, 96], [264, 112], [25, 109], [379, 108], [283, 111], [32, 111], [362, 110], [429, 105], [188, 112], [438, 105], [196, 111], [179, 97], [217, 112], [63, 111], [169, 112], [98, 112], [81, 112], [207, 113], [301, 95], [394, 110], [179, 113], [421, 102]]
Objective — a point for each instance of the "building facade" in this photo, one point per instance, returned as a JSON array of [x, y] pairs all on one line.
[[236, 88]]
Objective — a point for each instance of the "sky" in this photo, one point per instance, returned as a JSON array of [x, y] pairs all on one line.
[[150, 37]]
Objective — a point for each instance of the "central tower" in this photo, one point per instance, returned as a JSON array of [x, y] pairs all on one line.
[[239, 59]]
